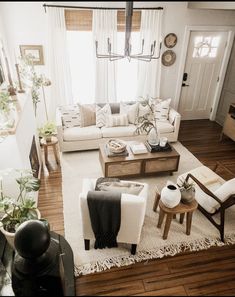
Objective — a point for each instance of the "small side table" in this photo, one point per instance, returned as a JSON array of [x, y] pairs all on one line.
[[170, 213], [53, 143]]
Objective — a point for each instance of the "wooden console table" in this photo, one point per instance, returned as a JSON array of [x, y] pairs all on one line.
[[229, 124], [138, 165]]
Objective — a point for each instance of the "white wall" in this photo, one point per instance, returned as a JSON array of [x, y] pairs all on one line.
[[26, 23]]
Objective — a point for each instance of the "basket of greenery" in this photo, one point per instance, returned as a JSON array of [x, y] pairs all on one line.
[[187, 190], [47, 131], [19, 207], [146, 123]]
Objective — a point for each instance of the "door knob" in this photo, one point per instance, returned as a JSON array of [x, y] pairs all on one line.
[[184, 85]]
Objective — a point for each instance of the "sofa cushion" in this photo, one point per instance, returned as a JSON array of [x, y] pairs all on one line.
[[116, 120], [164, 127], [84, 133], [118, 131], [161, 109], [70, 115], [143, 110], [131, 110], [101, 115], [87, 114]]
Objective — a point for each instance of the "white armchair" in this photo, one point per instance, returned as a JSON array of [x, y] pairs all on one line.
[[132, 215]]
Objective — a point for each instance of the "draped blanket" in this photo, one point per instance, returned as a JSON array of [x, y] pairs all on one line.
[[105, 214]]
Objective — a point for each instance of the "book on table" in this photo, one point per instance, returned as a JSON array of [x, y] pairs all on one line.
[[138, 148]]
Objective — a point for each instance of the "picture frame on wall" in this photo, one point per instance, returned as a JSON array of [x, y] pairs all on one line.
[[36, 51], [3, 73]]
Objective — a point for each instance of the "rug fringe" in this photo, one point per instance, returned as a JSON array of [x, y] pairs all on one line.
[[169, 250]]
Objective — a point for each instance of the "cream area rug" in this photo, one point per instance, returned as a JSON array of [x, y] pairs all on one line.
[[79, 165]]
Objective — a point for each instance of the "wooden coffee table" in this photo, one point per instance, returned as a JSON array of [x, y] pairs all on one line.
[[138, 165]]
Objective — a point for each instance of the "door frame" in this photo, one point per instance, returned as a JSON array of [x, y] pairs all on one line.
[[188, 29]]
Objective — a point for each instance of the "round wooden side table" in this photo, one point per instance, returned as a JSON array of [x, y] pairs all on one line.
[[182, 209], [45, 144]]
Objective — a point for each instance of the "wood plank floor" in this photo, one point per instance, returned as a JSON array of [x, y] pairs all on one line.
[[209, 272]]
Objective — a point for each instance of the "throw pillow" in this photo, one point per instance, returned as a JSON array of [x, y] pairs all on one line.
[[70, 115], [143, 110], [87, 114], [101, 115], [131, 110], [161, 109], [115, 120]]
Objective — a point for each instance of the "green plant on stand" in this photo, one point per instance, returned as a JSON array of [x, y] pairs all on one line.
[[47, 131], [21, 208]]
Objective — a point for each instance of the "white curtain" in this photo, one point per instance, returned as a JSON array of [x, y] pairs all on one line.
[[61, 89], [149, 73], [104, 26]]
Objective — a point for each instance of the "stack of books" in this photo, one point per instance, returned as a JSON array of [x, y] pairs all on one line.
[[110, 154], [138, 148], [157, 148]]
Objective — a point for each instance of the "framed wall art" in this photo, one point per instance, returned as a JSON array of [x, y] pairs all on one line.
[[170, 40], [36, 51], [168, 58]]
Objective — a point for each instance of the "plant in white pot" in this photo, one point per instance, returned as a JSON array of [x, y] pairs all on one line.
[[47, 131], [20, 208]]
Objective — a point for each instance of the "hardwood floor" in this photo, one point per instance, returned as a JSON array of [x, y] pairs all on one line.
[[209, 272]]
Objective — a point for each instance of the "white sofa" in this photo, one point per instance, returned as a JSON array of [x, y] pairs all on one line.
[[133, 210], [90, 137]]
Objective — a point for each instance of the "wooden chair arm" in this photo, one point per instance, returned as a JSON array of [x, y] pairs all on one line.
[[203, 188]]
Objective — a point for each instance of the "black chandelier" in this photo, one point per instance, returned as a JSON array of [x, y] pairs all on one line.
[[128, 48]]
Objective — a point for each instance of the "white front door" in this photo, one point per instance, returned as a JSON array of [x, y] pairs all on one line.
[[201, 74]]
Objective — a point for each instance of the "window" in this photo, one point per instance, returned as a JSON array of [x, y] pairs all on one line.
[[206, 46], [82, 58]]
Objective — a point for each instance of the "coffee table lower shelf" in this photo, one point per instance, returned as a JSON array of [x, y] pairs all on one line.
[[139, 165]]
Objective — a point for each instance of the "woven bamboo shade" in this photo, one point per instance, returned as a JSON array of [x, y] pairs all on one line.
[[81, 20]]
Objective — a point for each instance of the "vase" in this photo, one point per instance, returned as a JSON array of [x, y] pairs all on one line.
[[153, 138], [170, 195], [10, 236], [187, 196]]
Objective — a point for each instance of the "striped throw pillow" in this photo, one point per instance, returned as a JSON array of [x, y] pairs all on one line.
[[115, 120], [101, 115], [161, 109], [70, 116], [87, 114]]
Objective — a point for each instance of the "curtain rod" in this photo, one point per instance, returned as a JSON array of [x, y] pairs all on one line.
[[92, 7]]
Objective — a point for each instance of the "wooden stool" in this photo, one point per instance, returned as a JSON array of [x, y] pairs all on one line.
[[53, 143], [171, 213]]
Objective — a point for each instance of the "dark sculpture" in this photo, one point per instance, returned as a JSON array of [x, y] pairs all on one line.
[[38, 265]]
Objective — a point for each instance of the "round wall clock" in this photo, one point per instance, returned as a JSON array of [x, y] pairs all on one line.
[[170, 40], [168, 58]]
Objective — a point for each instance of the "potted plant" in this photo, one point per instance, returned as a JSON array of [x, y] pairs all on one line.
[[147, 124], [20, 208], [5, 111], [47, 131], [187, 190]]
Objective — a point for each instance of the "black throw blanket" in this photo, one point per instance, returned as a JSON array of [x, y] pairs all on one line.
[[105, 214]]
